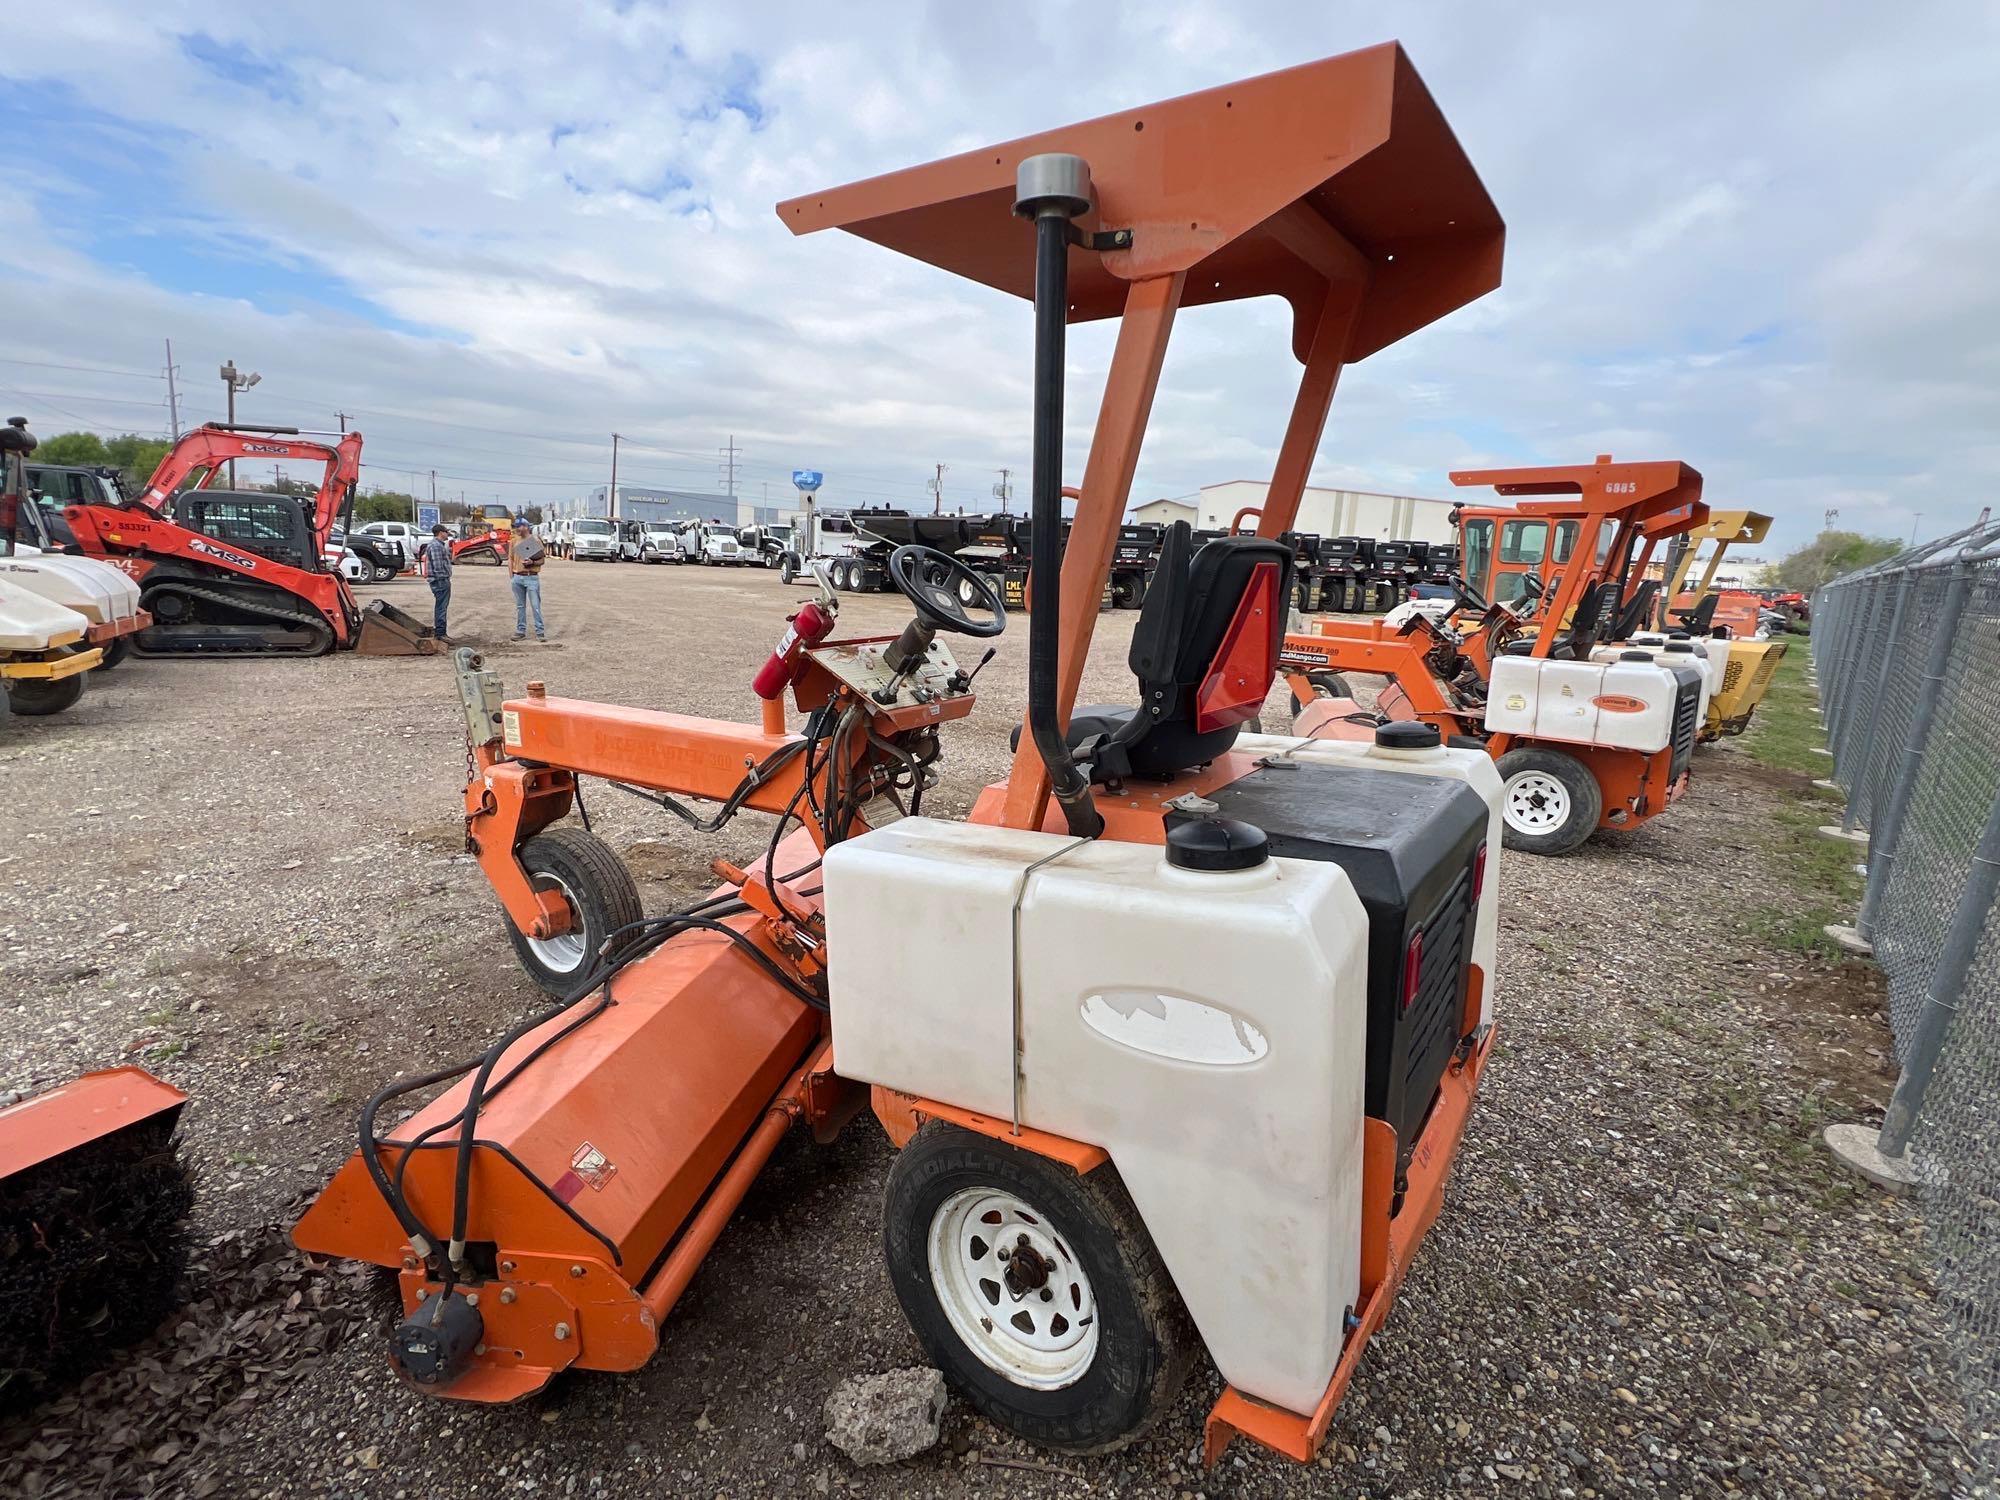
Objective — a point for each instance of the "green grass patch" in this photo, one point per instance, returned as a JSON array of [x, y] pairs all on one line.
[[1824, 887], [1786, 728]]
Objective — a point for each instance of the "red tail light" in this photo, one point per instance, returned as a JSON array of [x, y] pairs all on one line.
[[1413, 968], [1240, 676], [1478, 872]]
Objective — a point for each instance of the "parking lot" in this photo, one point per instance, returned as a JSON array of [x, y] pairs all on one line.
[[249, 876]]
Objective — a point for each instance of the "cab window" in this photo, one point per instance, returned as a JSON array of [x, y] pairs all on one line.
[[1607, 534], [1478, 544], [1511, 588], [1524, 541], [1565, 539]]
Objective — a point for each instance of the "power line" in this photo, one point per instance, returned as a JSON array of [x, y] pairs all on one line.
[[36, 364]]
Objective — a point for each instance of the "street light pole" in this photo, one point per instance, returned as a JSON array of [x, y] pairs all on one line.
[[234, 380]]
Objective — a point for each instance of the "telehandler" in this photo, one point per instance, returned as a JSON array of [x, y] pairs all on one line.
[[1581, 742], [243, 573], [1176, 1036]]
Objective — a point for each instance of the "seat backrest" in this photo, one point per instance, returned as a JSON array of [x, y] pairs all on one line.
[[1205, 609]]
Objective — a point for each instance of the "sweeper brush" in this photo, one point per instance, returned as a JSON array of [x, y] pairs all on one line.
[[93, 1207]]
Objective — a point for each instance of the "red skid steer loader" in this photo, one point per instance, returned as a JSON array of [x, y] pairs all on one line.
[[243, 573]]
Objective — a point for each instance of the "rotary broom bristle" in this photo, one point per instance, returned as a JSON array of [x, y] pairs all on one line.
[[93, 1244]]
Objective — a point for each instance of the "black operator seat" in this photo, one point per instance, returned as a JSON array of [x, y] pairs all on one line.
[[1183, 626]]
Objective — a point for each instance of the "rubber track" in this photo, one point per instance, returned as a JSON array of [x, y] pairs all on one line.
[[323, 639]]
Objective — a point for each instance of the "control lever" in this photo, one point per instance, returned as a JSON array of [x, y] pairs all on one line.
[[961, 681]]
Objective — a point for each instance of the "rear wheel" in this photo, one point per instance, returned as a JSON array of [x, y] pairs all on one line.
[[1039, 1293], [37, 697], [1549, 801], [1324, 685], [598, 890], [117, 651], [788, 568]]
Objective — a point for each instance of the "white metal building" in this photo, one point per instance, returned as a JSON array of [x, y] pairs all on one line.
[[1166, 512], [1327, 512]]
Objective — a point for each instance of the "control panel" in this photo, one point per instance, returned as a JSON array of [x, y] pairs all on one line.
[[934, 689]]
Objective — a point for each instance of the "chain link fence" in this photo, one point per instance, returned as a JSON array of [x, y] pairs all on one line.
[[1907, 655]]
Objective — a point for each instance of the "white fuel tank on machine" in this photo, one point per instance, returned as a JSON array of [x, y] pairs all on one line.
[[1199, 1011]]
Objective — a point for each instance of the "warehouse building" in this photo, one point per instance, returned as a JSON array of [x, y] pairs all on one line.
[[637, 503], [1324, 512]]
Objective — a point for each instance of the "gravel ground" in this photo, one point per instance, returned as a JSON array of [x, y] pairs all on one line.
[[1647, 1280]]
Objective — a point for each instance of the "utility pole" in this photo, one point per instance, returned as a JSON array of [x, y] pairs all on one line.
[[1003, 491], [343, 422], [730, 454], [614, 477], [937, 491], [233, 381], [1914, 524], [173, 394]]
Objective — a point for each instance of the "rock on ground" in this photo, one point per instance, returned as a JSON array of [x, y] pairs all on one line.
[[886, 1418]]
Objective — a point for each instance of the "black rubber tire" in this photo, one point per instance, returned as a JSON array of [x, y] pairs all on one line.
[[841, 583], [1146, 1341], [38, 697], [605, 898], [117, 651], [1586, 800], [1325, 685], [788, 568], [1125, 592]]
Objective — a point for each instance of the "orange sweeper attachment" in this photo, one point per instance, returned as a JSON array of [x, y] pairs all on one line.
[[1176, 1037]]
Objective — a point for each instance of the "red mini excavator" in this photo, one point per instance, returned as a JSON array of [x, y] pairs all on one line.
[[228, 572]]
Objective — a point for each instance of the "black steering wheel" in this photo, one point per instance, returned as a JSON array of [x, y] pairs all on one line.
[[941, 588], [1468, 595]]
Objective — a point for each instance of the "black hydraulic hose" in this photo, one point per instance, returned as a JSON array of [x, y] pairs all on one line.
[[1070, 786]]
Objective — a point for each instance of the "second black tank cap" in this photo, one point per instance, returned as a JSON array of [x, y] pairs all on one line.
[[1217, 844], [1635, 656], [1407, 734]]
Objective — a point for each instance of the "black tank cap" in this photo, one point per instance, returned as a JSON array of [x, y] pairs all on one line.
[[1216, 844], [1677, 635], [1635, 656], [1684, 646], [1407, 734]]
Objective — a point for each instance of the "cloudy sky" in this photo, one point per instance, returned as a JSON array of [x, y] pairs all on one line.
[[1757, 237]]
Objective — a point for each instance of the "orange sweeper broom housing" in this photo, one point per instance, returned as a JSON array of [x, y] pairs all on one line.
[[1177, 1059]]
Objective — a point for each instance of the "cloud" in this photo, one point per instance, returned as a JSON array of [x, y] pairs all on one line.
[[1756, 238]]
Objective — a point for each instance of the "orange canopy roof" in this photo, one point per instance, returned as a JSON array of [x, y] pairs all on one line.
[[1338, 174]]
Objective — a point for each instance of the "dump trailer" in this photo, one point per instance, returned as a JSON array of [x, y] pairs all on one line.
[[1211, 1024], [1586, 734], [243, 573], [93, 1213]]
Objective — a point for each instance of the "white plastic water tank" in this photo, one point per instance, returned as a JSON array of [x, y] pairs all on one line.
[[1513, 695], [1472, 766], [1205, 1028], [1566, 708], [1638, 706]]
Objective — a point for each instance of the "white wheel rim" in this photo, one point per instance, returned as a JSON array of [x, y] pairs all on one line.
[[564, 953], [1536, 802], [1043, 1335]]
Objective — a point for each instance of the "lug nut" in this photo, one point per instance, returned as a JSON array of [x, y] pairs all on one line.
[[1047, 1295], [472, 1299]]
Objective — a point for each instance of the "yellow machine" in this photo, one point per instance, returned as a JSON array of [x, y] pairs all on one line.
[[1752, 662]]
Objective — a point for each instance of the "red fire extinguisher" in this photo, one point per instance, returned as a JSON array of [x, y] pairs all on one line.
[[804, 630]]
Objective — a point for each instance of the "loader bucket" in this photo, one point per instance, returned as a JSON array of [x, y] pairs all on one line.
[[93, 1203], [388, 631]]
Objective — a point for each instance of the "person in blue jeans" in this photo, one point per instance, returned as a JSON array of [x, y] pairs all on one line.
[[525, 556], [437, 567]]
